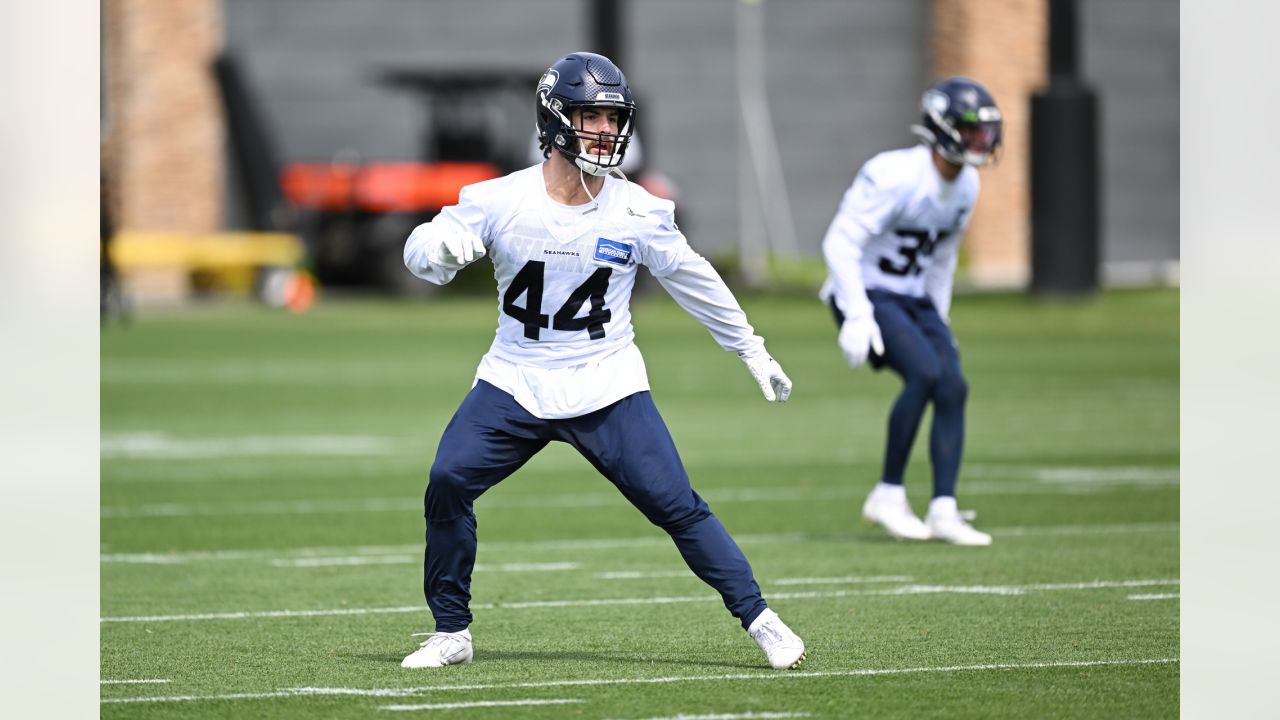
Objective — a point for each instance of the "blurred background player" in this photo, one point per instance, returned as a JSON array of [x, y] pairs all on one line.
[[891, 253], [566, 241]]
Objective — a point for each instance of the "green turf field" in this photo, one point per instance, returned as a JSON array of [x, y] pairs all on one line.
[[262, 478]]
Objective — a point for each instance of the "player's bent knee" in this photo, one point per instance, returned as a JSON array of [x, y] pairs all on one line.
[[951, 389], [926, 377], [446, 480], [677, 517]]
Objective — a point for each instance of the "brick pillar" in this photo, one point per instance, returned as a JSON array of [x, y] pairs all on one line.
[[163, 125], [1002, 44]]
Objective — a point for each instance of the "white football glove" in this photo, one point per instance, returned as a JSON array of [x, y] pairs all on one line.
[[456, 250], [774, 383], [857, 336]]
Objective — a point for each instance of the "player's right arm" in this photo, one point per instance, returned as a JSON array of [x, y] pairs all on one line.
[[453, 239], [865, 211]]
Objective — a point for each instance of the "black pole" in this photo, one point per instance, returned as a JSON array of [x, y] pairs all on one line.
[[1063, 48], [606, 29], [253, 152], [1064, 169]]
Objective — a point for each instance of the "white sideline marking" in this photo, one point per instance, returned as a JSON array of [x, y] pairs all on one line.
[[183, 557], [762, 675], [264, 614], [1050, 481], [134, 682], [1016, 589], [736, 716], [292, 372], [1155, 596], [644, 575], [407, 504], [1133, 474], [1117, 529], [841, 580], [416, 559], [605, 602], [266, 507], [656, 540], [150, 445], [338, 561], [479, 703], [594, 544]]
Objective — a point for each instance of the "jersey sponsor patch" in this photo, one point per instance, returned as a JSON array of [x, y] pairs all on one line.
[[612, 251]]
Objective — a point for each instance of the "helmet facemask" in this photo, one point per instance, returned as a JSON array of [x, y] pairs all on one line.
[[595, 153]]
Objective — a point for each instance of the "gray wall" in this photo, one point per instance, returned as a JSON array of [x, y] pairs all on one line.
[[844, 78], [1130, 56], [314, 63]]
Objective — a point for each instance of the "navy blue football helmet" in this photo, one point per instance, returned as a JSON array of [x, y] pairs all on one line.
[[961, 121], [581, 80]]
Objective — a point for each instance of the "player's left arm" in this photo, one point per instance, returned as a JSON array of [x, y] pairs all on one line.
[[696, 286], [940, 276]]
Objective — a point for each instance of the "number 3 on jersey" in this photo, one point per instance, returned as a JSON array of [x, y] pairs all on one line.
[[529, 280]]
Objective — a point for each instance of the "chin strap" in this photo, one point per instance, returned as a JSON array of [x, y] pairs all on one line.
[[582, 178], [595, 205]]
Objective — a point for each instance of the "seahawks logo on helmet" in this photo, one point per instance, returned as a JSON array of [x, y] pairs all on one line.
[[936, 101], [548, 81]]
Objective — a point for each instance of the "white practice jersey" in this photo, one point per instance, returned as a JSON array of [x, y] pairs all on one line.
[[564, 345], [898, 229]]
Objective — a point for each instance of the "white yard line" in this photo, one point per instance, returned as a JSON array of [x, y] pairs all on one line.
[[1156, 596], [261, 554], [1135, 474], [610, 602], [160, 446], [348, 560], [645, 575], [844, 580], [479, 704], [264, 614], [266, 507], [538, 546], [576, 545], [415, 560], [157, 681], [762, 675], [736, 716], [1047, 481], [1015, 589], [1116, 529]]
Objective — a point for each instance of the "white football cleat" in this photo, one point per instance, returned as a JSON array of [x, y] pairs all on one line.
[[441, 649], [947, 524], [783, 648], [889, 509]]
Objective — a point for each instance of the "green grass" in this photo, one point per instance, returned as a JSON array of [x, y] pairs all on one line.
[[1071, 461]]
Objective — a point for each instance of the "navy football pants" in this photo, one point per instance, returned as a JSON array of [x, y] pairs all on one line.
[[919, 347], [491, 436]]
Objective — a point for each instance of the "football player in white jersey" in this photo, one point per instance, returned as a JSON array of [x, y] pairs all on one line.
[[891, 252], [566, 239]]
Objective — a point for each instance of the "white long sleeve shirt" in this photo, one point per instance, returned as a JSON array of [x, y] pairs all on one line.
[[898, 229], [565, 345]]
